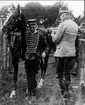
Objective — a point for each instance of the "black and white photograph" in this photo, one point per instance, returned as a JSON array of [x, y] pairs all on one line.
[[42, 52]]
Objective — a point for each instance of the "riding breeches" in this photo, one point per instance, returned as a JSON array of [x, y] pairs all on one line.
[[64, 67], [31, 68]]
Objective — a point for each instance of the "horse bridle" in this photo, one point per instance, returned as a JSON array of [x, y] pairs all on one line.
[[14, 31], [15, 35]]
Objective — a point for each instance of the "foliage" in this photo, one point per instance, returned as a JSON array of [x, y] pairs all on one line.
[[38, 11], [3, 11], [48, 13]]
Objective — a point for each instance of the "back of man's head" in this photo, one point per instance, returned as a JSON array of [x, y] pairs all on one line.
[[64, 14]]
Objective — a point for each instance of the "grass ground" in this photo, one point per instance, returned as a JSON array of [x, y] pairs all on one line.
[[48, 95]]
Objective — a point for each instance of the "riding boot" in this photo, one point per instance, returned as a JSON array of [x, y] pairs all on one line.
[[62, 85], [67, 81], [32, 84], [67, 84], [28, 95]]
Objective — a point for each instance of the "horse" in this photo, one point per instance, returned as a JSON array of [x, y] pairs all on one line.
[[15, 28], [51, 46]]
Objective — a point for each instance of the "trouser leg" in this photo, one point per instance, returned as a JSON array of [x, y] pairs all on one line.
[[67, 81], [56, 60], [60, 71], [32, 83], [64, 67], [69, 62], [31, 68]]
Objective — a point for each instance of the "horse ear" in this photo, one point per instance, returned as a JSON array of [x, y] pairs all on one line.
[[13, 7], [18, 9], [79, 17]]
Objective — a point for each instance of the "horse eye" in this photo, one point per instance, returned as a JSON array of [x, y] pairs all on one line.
[[19, 18], [16, 20]]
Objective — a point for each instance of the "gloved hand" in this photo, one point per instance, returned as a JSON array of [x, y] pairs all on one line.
[[43, 54]]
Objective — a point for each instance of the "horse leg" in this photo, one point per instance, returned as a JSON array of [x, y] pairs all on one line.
[[43, 70], [10, 68], [15, 65]]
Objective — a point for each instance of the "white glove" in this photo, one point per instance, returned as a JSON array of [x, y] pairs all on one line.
[[43, 54]]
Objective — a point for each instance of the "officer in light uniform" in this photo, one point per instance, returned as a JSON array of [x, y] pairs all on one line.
[[64, 38]]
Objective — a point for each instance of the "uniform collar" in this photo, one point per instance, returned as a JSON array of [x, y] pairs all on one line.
[[34, 32], [66, 18]]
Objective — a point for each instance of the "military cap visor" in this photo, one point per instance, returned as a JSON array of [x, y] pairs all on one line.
[[32, 21], [64, 11]]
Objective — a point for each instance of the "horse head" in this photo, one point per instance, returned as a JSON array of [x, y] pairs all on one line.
[[77, 20], [12, 20], [15, 27]]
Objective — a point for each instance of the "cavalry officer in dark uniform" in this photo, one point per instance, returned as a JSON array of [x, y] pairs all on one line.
[[64, 38], [36, 47]]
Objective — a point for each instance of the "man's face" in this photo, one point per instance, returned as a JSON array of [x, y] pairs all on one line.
[[62, 16], [32, 28]]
